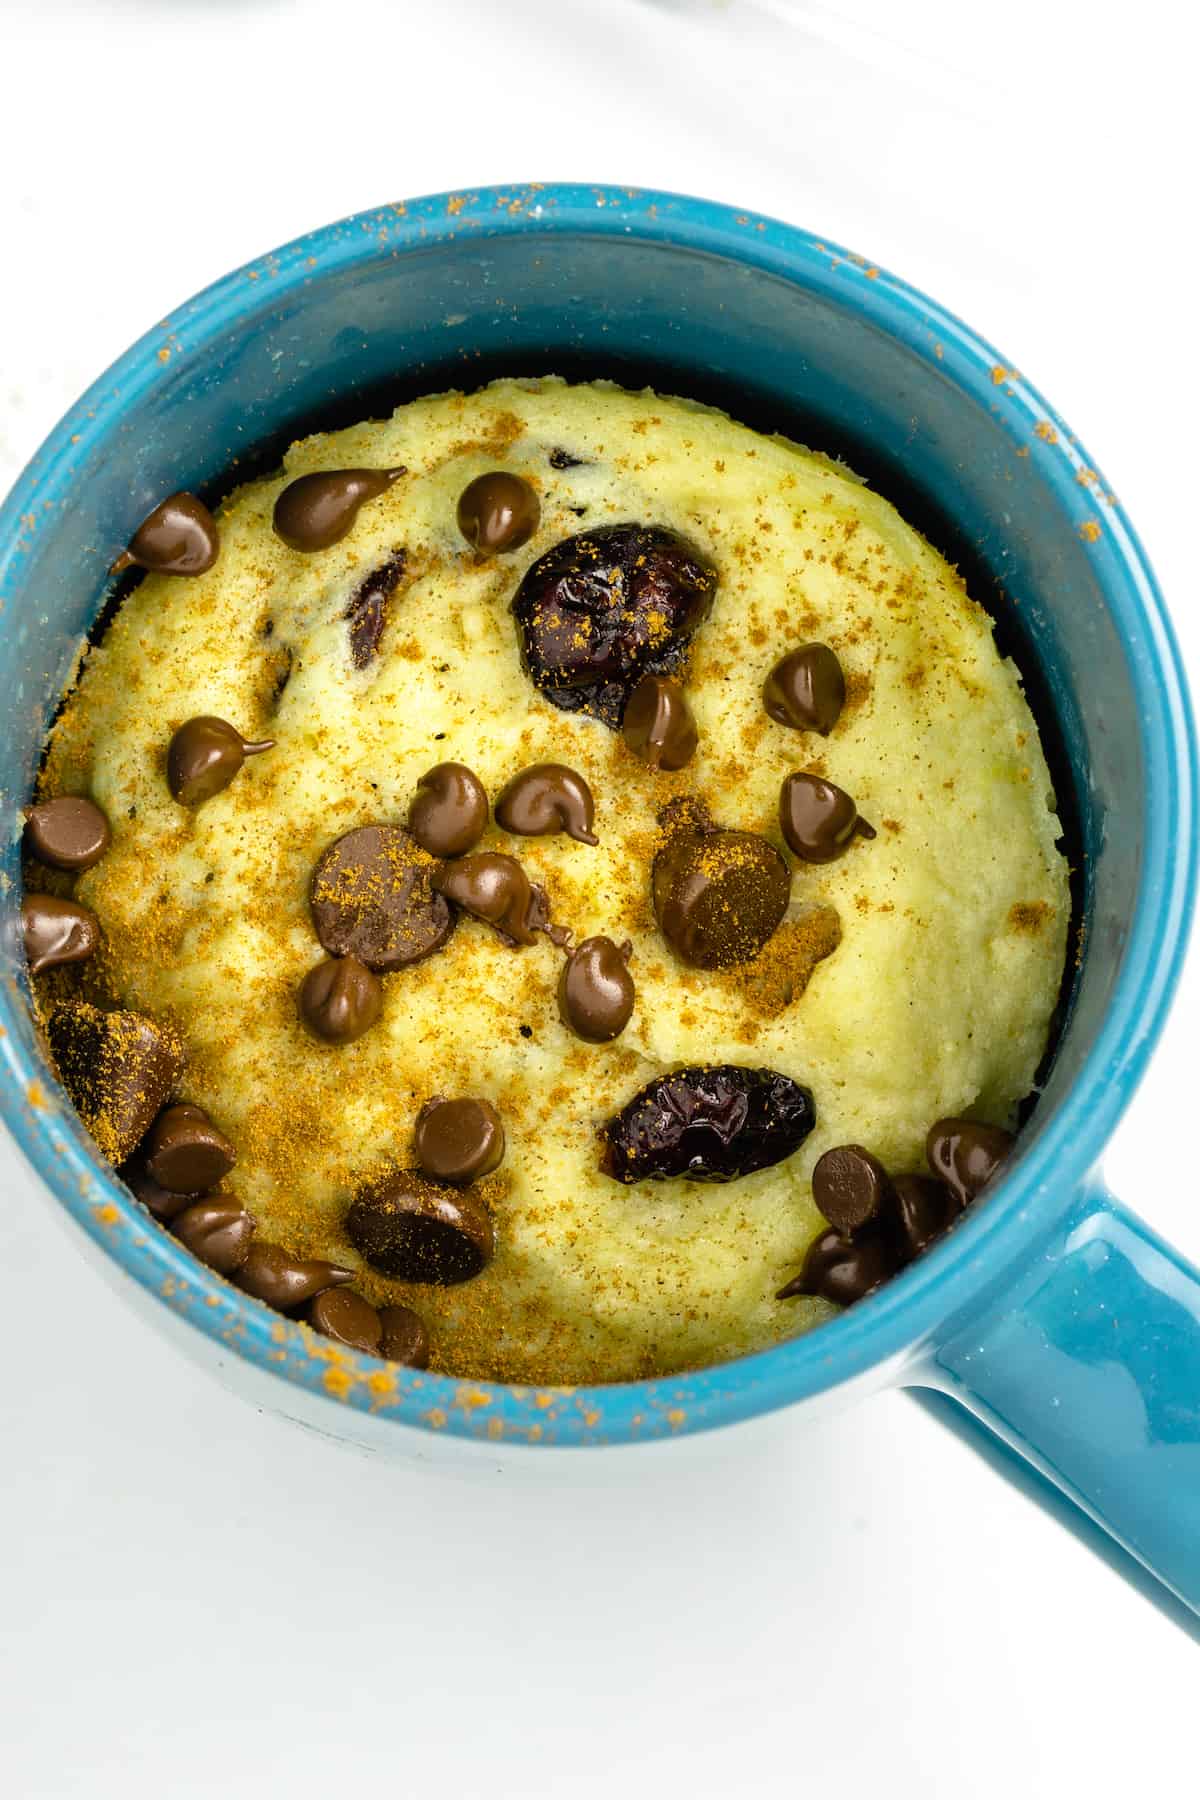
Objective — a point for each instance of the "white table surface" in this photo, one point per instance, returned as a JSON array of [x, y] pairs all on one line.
[[196, 1600]]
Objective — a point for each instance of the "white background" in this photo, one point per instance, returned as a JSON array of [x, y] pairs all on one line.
[[195, 1600]]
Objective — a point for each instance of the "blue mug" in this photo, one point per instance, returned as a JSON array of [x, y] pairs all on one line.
[[1051, 1316]]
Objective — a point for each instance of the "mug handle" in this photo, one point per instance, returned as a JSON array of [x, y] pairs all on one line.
[[1089, 1369]]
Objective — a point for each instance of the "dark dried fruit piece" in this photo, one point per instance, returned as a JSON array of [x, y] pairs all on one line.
[[707, 1124], [119, 1069], [415, 1230], [605, 607], [367, 611]]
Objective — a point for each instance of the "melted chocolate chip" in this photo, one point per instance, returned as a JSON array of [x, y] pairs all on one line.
[[922, 1210], [966, 1155], [658, 724], [495, 888], [119, 1069], [562, 459], [340, 999], [817, 819], [849, 1187], [178, 538], [498, 512], [69, 832], [410, 1228], [405, 1339], [842, 1269], [605, 607], [316, 511], [367, 611], [371, 897], [285, 1281], [449, 812], [345, 1316], [218, 1231], [57, 931], [204, 756], [458, 1140], [596, 991], [718, 895], [186, 1153], [806, 689], [707, 1124], [545, 799]]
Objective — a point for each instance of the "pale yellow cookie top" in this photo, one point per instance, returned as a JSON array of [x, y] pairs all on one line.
[[953, 920]]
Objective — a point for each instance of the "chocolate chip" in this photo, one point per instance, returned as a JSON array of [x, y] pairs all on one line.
[[186, 1153], [596, 991], [340, 999], [806, 689], [707, 1124], [158, 1200], [218, 1231], [718, 895], [204, 756], [69, 832], [498, 512], [285, 1281], [922, 1209], [449, 812], [605, 607], [966, 1155], [405, 1339], [178, 538], [562, 459], [371, 897], [57, 931], [492, 887], [817, 819], [367, 611], [119, 1069], [458, 1140], [410, 1228], [849, 1187], [346, 1316], [316, 511], [843, 1270], [658, 724], [545, 799]]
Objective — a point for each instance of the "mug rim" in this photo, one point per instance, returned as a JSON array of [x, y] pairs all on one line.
[[884, 1328]]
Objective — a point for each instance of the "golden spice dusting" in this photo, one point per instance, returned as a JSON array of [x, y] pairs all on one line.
[[899, 988]]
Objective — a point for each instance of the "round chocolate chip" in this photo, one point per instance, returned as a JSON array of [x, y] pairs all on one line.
[[658, 724], [119, 1069], [806, 689], [285, 1281], [546, 799], [410, 1228], [492, 887], [340, 999], [923, 1209], [842, 1269], [57, 931], [849, 1187], [458, 1140], [69, 832], [817, 819], [405, 1339], [204, 756], [158, 1200], [966, 1155], [596, 991], [186, 1153], [449, 812], [346, 1316], [498, 511], [316, 511], [371, 897], [217, 1231], [178, 538], [718, 895]]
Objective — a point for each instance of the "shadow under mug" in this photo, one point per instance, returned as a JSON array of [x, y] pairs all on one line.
[[1051, 1315]]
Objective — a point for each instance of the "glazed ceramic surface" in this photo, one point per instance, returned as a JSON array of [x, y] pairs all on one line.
[[1056, 1317]]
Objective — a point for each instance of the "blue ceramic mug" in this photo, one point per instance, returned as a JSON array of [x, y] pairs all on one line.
[[1051, 1314]]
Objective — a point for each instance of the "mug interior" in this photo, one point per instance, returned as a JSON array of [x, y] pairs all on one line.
[[786, 333]]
